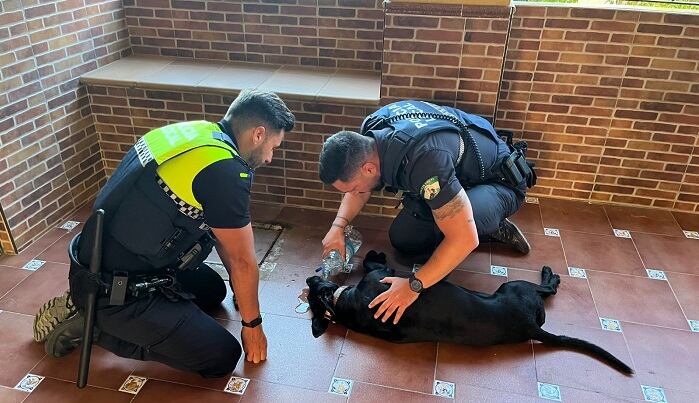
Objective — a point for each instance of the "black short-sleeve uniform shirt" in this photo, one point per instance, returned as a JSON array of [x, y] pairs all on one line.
[[431, 170], [223, 189]]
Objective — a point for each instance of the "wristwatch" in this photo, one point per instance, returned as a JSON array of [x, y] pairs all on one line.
[[253, 323], [415, 284]]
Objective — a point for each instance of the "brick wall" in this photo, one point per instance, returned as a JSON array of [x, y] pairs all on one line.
[[608, 101], [122, 115], [49, 156], [450, 54], [331, 33]]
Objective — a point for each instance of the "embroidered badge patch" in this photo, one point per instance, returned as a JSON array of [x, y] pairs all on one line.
[[430, 189]]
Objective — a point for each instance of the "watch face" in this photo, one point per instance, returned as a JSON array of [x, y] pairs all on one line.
[[416, 285]]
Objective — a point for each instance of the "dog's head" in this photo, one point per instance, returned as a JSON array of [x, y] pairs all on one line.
[[320, 300]]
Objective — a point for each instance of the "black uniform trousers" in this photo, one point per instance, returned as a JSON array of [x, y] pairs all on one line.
[[177, 333], [415, 233]]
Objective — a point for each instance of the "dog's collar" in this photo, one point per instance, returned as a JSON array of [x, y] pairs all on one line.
[[336, 296]]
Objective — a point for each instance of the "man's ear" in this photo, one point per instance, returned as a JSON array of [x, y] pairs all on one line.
[[369, 168], [258, 135]]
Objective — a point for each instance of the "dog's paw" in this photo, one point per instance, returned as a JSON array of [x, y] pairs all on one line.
[[556, 280], [549, 278], [375, 257]]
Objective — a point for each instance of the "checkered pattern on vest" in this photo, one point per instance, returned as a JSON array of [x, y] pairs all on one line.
[[184, 207], [144, 154]]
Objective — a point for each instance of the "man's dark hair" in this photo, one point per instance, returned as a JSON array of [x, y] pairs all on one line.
[[254, 108], [342, 156]]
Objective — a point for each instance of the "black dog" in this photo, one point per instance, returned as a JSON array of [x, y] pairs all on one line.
[[446, 312]]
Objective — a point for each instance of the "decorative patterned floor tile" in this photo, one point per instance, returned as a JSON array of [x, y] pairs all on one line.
[[552, 232], [691, 234], [531, 200], [622, 233], [33, 264], [693, 325], [577, 272], [612, 325], [653, 394], [498, 270], [339, 386], [236, 385], [29, 382], [656, 274], [133, 384], [549, 391], [268, 267], [69, 225], [444, 389]]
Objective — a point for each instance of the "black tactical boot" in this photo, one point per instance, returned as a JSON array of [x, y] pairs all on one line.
[[509, 234], [65, 337]]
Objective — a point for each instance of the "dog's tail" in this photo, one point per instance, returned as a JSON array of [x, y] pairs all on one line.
[[583, 346]]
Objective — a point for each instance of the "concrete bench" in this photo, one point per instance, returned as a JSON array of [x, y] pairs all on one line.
[[138, 93], [296, 82]]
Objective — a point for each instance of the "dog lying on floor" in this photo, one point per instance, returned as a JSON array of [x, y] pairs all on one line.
[[447, 312]]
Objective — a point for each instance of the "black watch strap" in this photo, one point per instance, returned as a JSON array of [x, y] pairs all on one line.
[[253, 323]]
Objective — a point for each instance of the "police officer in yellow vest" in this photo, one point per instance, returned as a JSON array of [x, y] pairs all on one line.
[[181, 190]]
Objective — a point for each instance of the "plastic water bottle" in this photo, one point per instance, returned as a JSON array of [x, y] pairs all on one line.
[[333, 263]]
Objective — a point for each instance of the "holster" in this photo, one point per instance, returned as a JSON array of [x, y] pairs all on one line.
[[515, 168], [80, 280]]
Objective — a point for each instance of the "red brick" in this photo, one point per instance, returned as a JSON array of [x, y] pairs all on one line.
[[613, 26], [434, 35], [416, 21], [413, 46], [437, 60], [633, 114], [567, 23]]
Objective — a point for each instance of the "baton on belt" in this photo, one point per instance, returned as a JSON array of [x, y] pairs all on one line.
[[91, 302]]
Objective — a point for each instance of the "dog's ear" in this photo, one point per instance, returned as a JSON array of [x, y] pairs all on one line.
[[319, 326], [319, 323], [326, 297]]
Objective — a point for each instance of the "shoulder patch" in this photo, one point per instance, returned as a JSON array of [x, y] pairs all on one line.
[[430, 189]]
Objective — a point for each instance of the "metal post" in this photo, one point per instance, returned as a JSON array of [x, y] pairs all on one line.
[[88, 328]]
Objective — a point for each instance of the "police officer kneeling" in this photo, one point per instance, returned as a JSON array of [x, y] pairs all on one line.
[[179, 191], [460, 180]]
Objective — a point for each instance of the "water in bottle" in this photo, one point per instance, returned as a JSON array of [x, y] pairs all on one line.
[[333, 263]]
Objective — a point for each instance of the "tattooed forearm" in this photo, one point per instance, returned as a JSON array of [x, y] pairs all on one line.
[[453, 207]]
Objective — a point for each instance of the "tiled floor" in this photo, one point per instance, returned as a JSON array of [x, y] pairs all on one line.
[[654, 314]]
